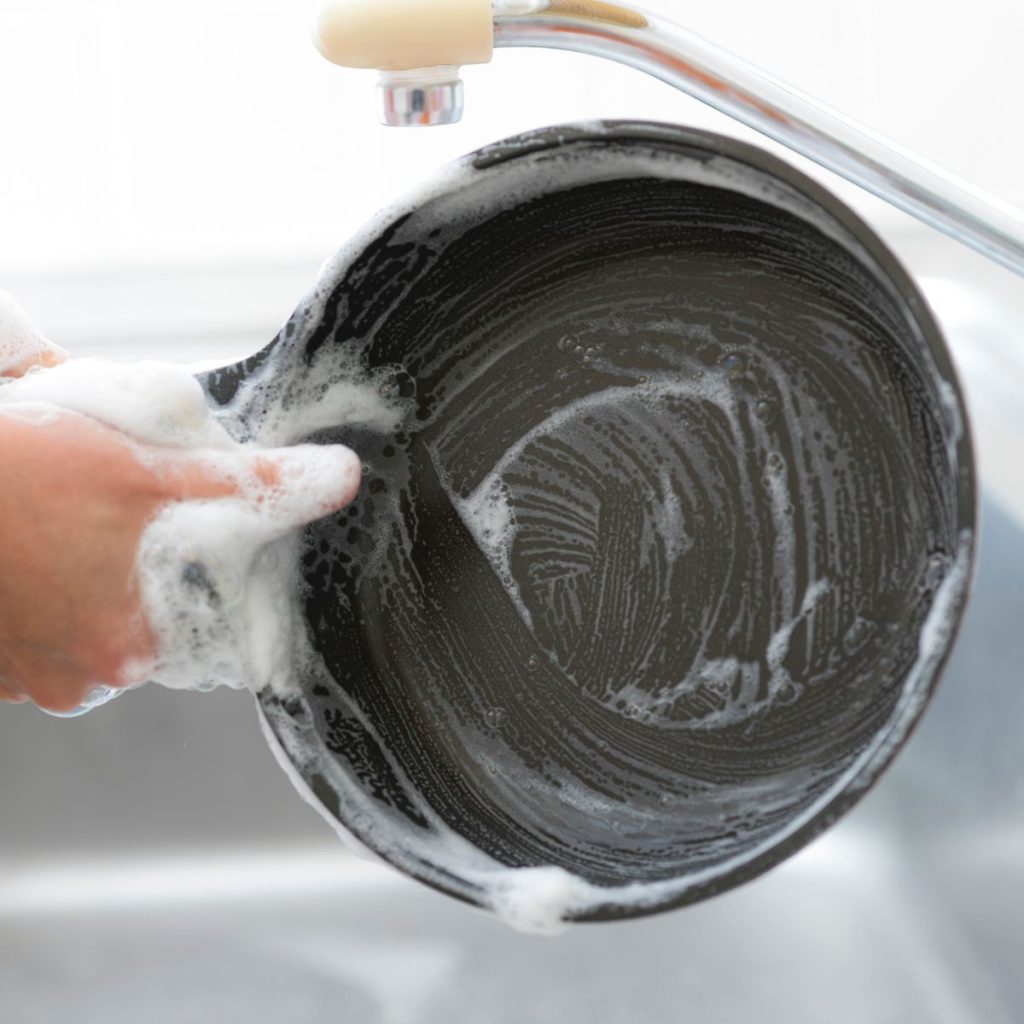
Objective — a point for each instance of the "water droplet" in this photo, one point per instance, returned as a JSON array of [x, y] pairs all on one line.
[[774, 466], [788, 692], [733, 364], [934, 571], [666, 799], [764, 410], [856, 635], [561, 374], [532, 662], [716, 684], [389, 390], [632, 711], [495, 717]]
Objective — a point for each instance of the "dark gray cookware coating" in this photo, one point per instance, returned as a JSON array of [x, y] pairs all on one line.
[[638, 588]]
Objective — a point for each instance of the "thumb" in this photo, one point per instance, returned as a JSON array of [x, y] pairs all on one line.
[[288, 486]]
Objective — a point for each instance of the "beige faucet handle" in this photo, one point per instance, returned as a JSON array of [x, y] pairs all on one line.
[[399, 35]]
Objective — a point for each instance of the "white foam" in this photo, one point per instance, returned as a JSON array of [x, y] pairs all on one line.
[[538, 899], [719, 676], [156, 403], [275, 408], [222, 615], [21, 340], [222, 611], [487, 514], [544, 898]]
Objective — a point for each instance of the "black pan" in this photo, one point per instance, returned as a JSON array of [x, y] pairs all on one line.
[[718, 443]]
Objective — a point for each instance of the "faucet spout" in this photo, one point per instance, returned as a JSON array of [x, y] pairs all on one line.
[[426, 40], [419, 97]]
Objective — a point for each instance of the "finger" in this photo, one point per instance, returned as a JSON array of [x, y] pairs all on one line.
[[22, 344], [10, 691], [292, 485], [314, 480], [215, 475], [60, 693], [51, 356], [10, 694]]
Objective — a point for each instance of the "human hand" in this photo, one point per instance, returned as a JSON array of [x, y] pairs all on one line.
[[75, 499], [74, 503]]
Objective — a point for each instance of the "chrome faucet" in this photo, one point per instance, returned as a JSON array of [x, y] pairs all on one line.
[[419, 45]]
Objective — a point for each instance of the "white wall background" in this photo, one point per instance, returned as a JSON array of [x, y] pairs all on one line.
[[204, 136]]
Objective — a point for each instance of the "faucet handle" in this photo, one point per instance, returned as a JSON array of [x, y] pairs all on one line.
[[417, 45]]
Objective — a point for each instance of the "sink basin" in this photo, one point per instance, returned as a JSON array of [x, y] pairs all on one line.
[[156, 866], [845, 932]]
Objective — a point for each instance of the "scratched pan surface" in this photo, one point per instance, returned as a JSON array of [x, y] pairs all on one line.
[[664, 563]]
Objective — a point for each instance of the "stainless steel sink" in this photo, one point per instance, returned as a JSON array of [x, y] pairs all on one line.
[[156, 866]]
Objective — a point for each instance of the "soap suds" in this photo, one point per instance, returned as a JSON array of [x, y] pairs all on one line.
[[217, 576], [276, 406], [538, 899], [807, 599], [154, 403], [21, 340], [545, 899]]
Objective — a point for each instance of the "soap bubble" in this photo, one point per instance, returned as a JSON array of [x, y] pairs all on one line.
[[733, 364], [856, 636], [934, 571], [495, 717]]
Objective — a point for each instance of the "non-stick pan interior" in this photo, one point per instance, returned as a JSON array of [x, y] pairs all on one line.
[[641, 583]]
